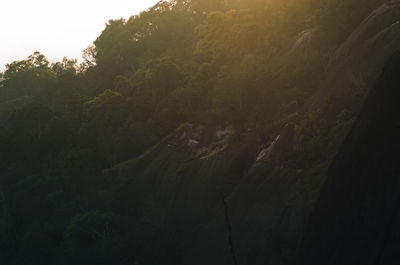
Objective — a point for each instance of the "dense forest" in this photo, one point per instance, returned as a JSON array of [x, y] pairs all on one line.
[[86, 176]]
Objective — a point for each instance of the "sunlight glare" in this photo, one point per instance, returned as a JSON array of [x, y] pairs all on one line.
[[57, 28]]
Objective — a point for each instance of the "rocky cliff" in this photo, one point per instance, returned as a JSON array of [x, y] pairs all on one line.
[[356, 220], [219, 196], [358, 62]]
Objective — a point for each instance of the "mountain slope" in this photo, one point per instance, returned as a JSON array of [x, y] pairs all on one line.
[[358, 62], [356, 220], [268, 195]]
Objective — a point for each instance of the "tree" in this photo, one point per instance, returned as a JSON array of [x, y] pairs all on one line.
[[30, 77]]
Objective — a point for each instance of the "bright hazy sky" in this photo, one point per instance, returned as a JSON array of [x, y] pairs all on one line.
[[57, 28]]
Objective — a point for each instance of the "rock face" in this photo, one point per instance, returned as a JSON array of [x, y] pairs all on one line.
[[185, 186], [358, 62], [210, 195], [357, 219]]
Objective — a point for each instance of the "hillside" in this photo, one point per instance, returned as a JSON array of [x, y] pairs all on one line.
[[356, 218], [207, 132]]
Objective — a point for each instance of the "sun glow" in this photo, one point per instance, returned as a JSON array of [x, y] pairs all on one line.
[[57, 28]]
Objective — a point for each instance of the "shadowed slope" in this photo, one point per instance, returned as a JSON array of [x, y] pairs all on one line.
[[356, 220]]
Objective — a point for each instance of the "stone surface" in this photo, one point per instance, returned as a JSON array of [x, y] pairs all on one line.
[[357, 219]]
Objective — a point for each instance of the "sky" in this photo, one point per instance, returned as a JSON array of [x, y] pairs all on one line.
[[57, 28]]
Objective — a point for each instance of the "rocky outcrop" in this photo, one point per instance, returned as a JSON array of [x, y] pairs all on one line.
[[178, 188], [356, 220], [359, 61], [215, 195]]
